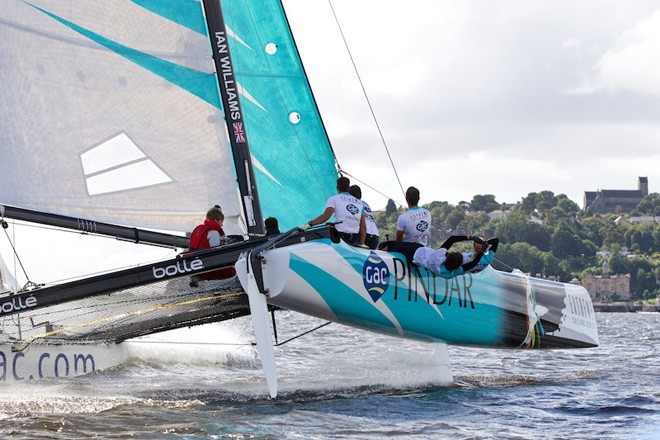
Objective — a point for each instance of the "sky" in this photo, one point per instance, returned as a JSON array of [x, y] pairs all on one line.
[[497, 97], [472, 97]]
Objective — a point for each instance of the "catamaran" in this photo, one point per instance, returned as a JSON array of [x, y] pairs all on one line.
[[130, 118]]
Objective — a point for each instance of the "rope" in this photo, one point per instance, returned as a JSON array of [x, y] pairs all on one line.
[[372, 188], [243, 344], [303, 334], [373, 115], [503, 263], [4, 227]]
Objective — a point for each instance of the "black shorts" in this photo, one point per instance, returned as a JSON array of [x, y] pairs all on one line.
[[372, 241], [351, 239]]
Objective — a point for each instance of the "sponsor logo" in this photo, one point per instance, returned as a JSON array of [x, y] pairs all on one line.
[[352, 209], [422, 226], [227, 74], [375, 276], [21, 366], [17, 303], [412, 283], [179, 268]]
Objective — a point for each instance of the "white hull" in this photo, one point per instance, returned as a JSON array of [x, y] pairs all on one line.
[[58, 361], [381, 292]]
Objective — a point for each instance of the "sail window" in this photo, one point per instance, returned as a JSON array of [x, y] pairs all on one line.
[[294, 117], [117, 165], [271, 48]]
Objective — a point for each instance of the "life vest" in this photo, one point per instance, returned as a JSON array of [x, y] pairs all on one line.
[[199, 238]]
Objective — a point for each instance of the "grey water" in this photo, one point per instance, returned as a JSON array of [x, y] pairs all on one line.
[[338, 382]]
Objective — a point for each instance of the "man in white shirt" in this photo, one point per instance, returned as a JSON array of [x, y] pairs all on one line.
[[372, 237], [347, 210], [414, 225]]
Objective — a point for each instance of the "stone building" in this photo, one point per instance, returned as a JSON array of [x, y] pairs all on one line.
[[609, 200], [606, 287]]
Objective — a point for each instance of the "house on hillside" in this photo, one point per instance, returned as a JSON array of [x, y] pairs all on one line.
[[635, 220], [609, 200], [606, 287]]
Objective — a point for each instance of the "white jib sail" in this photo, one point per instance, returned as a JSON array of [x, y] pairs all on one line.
[[109, 112]]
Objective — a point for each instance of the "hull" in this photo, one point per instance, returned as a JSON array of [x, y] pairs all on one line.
[[44, 361], [382, 292]]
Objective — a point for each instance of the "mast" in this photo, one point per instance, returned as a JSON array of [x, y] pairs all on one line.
[[247, 183]]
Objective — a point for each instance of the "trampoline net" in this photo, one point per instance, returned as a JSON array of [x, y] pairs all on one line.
[[128, 313]]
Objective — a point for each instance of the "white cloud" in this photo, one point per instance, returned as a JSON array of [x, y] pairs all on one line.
[[571, 43], [632, 64]]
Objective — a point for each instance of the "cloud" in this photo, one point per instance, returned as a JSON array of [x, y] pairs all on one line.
[[493, 82], [632, 64]]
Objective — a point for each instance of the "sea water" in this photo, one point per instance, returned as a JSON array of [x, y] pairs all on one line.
[[338, 382]]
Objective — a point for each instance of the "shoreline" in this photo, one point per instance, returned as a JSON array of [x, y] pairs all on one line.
[[625, 307]]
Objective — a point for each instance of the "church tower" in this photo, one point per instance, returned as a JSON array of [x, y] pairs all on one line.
[[643, 185]]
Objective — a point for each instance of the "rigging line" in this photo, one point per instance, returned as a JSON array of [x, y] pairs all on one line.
[[503, 263], [62, 280], [400, 205], [380, 132], [15, 253], [372, 188], [303, 334], [242, 344]]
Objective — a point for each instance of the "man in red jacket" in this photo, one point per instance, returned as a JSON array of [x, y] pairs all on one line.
[[209, 233]]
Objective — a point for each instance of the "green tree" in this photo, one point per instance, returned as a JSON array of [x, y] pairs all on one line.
[[528, 204], [643, 280], [455, 217], [520, 256], [618, 263], [591, 230], [485, 203], [567, 206], [547, 200], [567, 244], [390, 208], [647, 241], [516, 228], [564, 244], [611, 233], [649, 205], [475, 225]]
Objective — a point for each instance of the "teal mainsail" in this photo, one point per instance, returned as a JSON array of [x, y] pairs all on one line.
[[294, 162]]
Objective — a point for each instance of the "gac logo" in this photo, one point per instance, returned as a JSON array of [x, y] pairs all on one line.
[[375, 276]]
